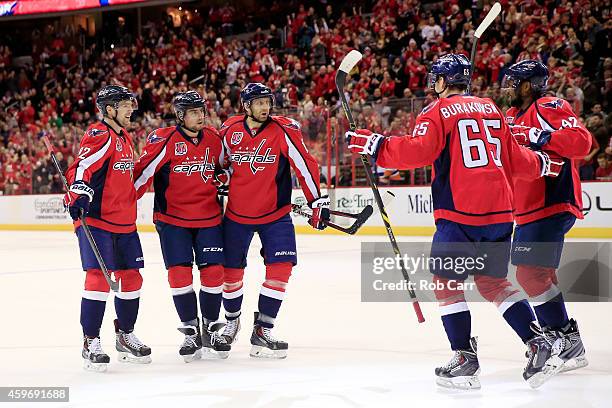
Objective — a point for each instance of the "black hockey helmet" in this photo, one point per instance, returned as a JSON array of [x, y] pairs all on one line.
[[111, 95], [183, 101], [527, 70]]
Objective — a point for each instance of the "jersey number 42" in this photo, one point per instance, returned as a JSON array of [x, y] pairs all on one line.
[[476, 151]]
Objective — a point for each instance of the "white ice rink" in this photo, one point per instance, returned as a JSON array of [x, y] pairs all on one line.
[[342, 352]]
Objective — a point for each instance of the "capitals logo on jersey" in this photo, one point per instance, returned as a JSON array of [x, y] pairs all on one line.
[[236, 138], [153, 138], [254, 157], [557, 103], [180, 148], [191, 167], [95, 132], [7, 9]]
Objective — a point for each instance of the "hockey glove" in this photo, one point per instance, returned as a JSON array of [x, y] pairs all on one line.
[[532, 137], [222, 178], [363, 141], [77, 199], [550, 166], [320, 212]]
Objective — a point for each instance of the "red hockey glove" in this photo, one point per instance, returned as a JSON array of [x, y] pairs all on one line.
[[363, 141], [320, 212]]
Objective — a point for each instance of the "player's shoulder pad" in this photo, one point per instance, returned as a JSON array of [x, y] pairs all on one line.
[[159, 135], [230, 122], [430, 108], [97, 129], [287, 123], [212, 130], [550, 103]]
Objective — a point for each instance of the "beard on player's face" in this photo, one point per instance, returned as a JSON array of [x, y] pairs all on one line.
[[194, 119], [260, 110]]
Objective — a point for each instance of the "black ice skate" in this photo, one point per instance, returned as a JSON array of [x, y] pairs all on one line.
[[543, 356], [94, 358], [263, 345], [461, 372], [191, 349], [130, 348], [231, 330], [214, 345], [572, 353]]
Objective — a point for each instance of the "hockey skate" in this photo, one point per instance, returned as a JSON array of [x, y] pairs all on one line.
[[461, 372], [94, 358], [543, 356], [572, 353], [191, 349], [231, 330], [130, 348], [214, 346], [263, 345]]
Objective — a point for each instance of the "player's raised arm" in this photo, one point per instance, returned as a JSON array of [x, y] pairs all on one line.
[[153, 157], [402, 152], [561, 132]]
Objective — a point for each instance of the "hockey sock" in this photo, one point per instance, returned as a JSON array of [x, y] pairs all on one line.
[[458, 328], [185, 301], [186, 306], [211, 278], [232, 292], [273, 291], [552, 313], [127, 312], [93, 302], [92, 313], [519, 316], [127, 300]]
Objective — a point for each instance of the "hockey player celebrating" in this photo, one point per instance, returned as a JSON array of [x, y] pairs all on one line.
[[102, 189], [474, 158], [262, 148], [181, 162], [547, 208]]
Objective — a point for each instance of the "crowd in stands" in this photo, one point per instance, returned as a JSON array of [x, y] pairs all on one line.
[[294, 48]]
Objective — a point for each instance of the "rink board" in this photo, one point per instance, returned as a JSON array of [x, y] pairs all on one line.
[[411, 211]]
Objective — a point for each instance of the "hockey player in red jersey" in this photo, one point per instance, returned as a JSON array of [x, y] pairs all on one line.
[[181, 161], [262, 149], [474, 159], [102, 188], [547, 208]]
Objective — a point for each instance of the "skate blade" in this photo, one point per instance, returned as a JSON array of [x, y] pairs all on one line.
[[574, 364], [210, 354], [188, 358], [125, 357], [95, 367], [551, 368], [264, 352], [459, 383]]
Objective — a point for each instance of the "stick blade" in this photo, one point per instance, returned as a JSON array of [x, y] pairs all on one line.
[[486, 22], [349, 61]]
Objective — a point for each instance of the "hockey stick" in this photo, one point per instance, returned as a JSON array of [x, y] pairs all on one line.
[[114, 285], [360, 218], [346, 66], [486, 22]]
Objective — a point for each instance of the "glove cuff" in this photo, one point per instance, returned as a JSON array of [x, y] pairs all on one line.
[[82, 188]]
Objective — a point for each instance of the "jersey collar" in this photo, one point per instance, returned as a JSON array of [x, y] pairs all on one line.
[[121, 133], [189, 138], [263, 125]]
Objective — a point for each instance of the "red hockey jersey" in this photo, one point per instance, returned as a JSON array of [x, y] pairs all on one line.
[[182, 172], [106, 162], [260, 161], [474, 157], [547, 196]]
